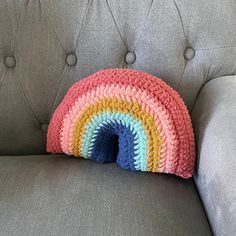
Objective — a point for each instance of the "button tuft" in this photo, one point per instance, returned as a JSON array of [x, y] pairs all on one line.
[[10, 61], [130, 57], [71, 59], [189, 53]]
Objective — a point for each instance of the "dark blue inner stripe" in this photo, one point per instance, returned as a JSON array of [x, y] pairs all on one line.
[[114, 142]]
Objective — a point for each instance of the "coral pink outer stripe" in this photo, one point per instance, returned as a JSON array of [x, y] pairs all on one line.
[[169, 148], [128, 77], [155, 87]]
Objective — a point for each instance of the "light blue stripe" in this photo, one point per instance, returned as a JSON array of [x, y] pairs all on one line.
[[136, 127]]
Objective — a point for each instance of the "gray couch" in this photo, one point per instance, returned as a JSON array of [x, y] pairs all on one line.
[[46, 46]]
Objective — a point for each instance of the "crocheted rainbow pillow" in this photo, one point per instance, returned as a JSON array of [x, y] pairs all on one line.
[[126, 116]]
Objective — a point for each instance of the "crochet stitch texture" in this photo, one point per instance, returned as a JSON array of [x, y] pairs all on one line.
[[126, 116]]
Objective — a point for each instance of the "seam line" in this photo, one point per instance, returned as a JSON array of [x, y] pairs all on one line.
[[17, 25], [27, 102], [116, 25], [182, 75], [144, 25], [219, 48], [82, 22], [51, 26], [181, 21], [57, 93]]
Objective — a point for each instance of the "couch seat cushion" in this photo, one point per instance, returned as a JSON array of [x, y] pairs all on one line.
[[58, 195]]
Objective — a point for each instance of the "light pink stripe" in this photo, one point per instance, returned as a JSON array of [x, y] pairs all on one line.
[[155, 108]]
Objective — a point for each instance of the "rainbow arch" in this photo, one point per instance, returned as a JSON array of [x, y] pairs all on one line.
[[126, 116]]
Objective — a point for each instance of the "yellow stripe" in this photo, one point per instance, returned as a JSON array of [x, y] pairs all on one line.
[[118, 105]]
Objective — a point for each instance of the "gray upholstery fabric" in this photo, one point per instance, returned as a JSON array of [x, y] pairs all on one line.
[[214, 117], [59, 195], [40, 35], [186, 43]]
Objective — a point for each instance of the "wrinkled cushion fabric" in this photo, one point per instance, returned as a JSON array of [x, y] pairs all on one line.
[[142, 114], [214, 117], [58, 196]]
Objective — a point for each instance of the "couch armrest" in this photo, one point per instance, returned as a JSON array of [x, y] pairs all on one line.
[[214, 120]]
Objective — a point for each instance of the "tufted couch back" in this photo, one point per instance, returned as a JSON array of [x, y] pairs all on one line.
[[46, 46]]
